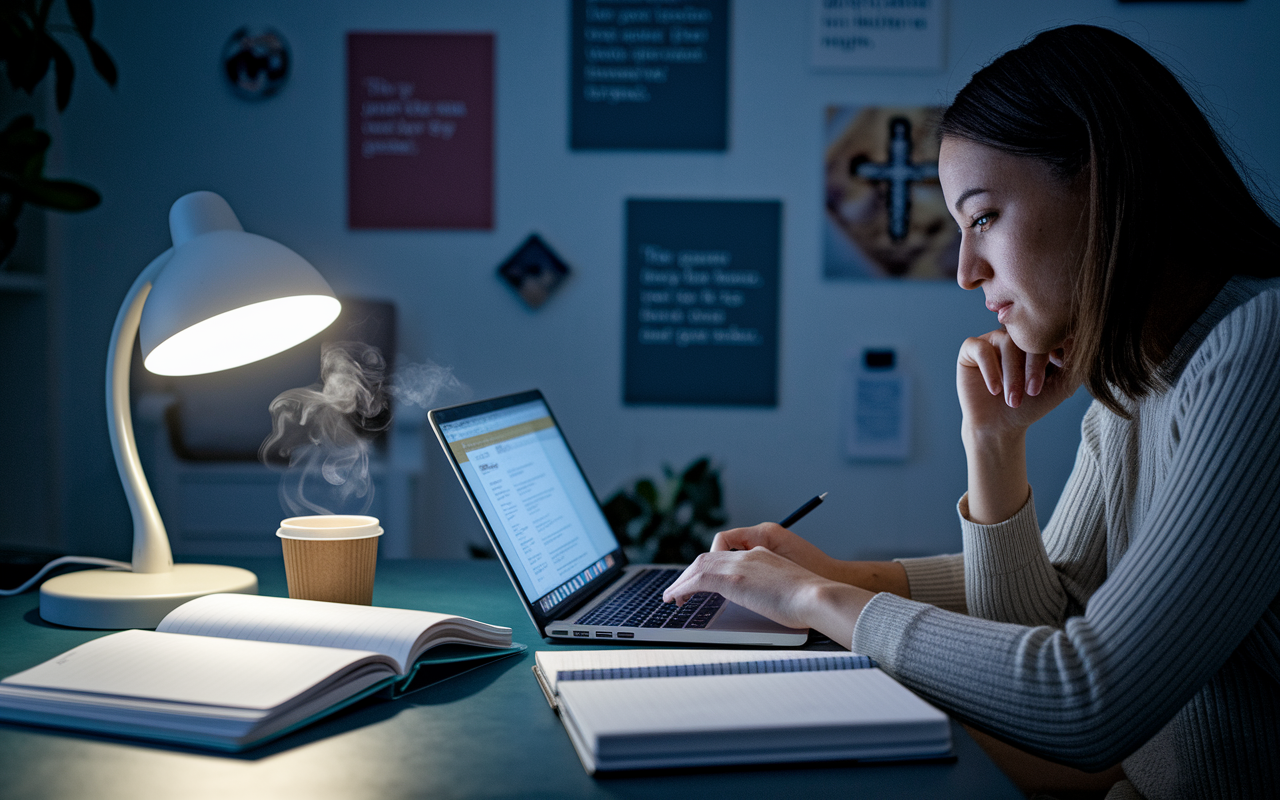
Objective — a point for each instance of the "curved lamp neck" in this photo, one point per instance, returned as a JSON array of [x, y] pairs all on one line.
[[151, 552]]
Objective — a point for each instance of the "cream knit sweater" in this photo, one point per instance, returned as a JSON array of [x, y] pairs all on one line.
[[1143, 625]]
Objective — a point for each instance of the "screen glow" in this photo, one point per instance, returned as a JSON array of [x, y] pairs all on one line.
[[243, 335]]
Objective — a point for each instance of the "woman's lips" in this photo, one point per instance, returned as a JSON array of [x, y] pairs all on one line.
[[1000, 308]]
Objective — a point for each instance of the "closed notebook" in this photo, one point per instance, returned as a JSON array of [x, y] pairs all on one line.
[[231, 671], [640, 709]]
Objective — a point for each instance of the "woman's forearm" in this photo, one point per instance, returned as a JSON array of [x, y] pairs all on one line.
[[874, 576], [997, 470]]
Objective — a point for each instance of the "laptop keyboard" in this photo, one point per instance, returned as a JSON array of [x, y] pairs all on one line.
[[638, 604]]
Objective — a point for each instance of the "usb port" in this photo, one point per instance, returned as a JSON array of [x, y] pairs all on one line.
[[625, 635], [559, 633], [582, 633], [604, 634]]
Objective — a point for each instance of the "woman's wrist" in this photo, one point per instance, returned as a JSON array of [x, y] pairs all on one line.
[[833, 609], [997, 467], [991, 441]]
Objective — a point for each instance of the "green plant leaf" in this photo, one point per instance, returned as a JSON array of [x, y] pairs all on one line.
[[26, 143], [652, 527], [102, 63], [697, 471], [18, 123], [674, 524], [646, 490], [9, 185], [64, 73], [82, 15], [22, 148], [61, 195], [27, 69], [619, 511]]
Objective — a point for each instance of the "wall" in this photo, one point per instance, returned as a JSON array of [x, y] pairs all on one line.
[[172, 127]]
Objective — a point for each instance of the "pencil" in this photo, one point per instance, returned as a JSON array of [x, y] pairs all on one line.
[[798, 514]]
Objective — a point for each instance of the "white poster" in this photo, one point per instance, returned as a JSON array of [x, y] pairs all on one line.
[[878, 35]]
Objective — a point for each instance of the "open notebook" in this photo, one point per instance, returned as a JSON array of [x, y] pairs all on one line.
[[230, 671], [640, 709]]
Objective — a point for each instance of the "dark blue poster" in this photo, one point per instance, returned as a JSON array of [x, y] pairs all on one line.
[[649, 75], [702, 302]]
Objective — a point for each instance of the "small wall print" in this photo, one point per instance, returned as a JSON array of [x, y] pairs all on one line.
[[885, 214]]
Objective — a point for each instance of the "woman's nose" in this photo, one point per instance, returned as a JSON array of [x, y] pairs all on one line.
[[972, 270]]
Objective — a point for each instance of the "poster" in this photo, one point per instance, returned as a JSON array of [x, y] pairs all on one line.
[[649, 75], [701, 304], [878, 35], [420, 130], [885, 213]]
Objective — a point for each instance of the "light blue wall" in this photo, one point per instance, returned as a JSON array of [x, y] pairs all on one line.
[[172, 126]]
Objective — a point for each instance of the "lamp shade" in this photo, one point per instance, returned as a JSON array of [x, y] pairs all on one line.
[[227, 297]]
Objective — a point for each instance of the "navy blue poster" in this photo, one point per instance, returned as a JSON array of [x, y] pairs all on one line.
[[702, 302], [649, 75]]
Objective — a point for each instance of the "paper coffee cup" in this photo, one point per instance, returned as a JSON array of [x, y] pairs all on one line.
[[331, 557]]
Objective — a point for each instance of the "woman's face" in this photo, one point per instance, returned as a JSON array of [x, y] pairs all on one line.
[[1022, 235]]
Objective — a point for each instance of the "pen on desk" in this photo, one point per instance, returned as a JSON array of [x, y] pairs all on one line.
[[798, 514]]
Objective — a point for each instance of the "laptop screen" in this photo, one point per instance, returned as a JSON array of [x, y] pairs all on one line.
[[525, 482]]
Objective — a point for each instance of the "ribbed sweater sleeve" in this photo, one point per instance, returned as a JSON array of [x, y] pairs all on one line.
[[1201, 566], [937, 580], [1008, 575]]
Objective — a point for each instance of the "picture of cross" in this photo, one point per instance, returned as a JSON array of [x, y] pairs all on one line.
[[899, 173]]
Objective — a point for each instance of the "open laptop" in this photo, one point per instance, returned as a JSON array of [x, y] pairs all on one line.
[[566, 563]]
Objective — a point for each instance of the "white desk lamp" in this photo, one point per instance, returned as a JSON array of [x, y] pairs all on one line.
[[219, 298]]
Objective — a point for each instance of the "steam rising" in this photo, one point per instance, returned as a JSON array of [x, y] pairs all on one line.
[[324, 432], [426, 385]]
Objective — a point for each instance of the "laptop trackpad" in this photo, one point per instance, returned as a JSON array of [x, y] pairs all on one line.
[[735, 617]]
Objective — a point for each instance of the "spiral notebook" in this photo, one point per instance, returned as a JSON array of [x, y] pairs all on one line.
[[644, 709]]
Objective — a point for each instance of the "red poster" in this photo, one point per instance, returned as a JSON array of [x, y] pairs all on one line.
[[420, 130]]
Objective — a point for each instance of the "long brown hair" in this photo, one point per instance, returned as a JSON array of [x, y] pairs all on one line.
[[1091, 103]]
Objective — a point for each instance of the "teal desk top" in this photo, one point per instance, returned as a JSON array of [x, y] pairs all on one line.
[[487, 733]]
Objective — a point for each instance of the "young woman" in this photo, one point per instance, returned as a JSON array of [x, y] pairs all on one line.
[[1137, 637]]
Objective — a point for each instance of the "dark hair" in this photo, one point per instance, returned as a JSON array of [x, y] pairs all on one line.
[[1091, 103]]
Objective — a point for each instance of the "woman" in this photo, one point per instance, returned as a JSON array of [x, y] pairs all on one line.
[[1137, 639]]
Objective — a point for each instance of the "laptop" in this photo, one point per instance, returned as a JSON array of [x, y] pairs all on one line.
[[547, 528]]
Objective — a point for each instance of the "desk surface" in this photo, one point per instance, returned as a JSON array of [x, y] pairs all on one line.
[[487, 733]]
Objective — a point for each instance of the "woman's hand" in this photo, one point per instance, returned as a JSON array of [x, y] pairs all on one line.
[[875, 576], [1002, 389], [776, 587], [780, 540]]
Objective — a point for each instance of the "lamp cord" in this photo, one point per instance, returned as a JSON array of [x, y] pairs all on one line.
[[58, 562]]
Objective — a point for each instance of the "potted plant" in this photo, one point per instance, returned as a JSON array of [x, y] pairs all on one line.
[[671, 523], [28, 47]]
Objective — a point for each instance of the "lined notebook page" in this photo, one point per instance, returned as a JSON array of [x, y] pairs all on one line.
[[392, 631], [849, 698], [553, 662], [189, 669]]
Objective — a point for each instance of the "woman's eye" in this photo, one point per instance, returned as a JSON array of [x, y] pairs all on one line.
[[983, 222]]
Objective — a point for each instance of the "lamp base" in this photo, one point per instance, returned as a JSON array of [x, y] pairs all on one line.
[[112, 599]]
